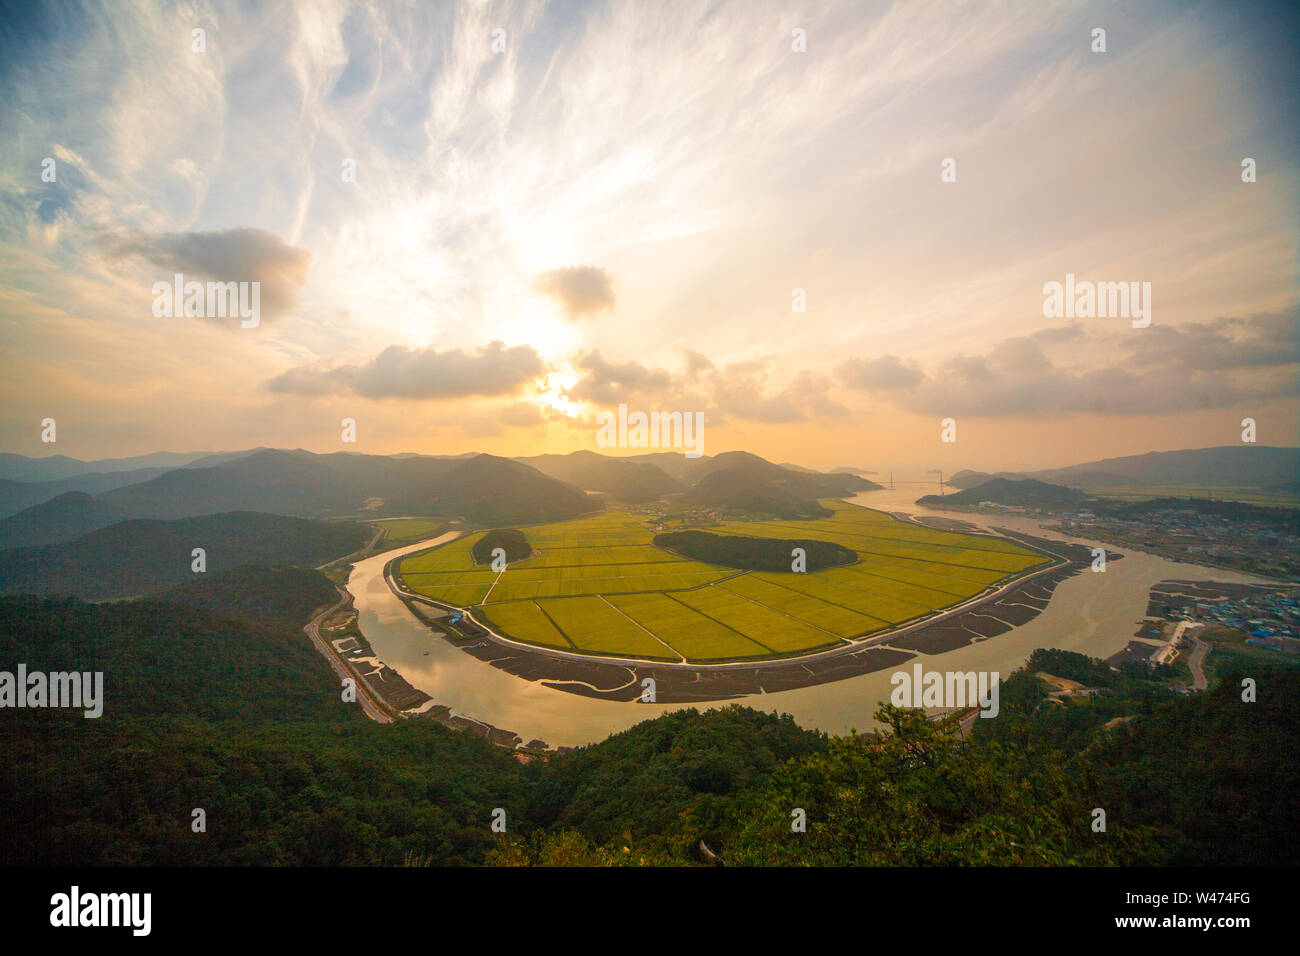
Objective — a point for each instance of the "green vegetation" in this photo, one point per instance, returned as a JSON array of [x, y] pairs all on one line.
[[1230, 652], [68, 516], [255, 592], [631, 598], [205, 708], [511, 541], [138, 557], [753, 554], [234, 714], [403, 531]]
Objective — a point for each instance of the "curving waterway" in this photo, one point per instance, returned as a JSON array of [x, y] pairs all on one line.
[[1094, 614]]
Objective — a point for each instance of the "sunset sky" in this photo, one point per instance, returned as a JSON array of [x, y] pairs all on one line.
[[619, 206]]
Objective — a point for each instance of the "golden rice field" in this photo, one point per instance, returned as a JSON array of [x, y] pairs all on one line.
[[598, 586]]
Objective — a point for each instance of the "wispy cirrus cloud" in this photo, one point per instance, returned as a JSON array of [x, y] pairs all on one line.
[[687, 150]]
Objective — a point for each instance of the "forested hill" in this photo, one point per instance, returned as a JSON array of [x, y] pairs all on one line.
[[1027, 492], [207, 708], [139, 557]]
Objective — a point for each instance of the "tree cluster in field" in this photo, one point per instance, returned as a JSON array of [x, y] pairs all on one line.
[[213, 701], [513, 542], [754, 554]]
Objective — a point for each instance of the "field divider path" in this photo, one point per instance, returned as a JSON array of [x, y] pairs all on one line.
[[657, 639], [492, 587], [555, 624], [777, 610], [825, 600], [748, 637]]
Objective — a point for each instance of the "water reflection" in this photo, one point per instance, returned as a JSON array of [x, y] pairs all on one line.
[[1094, 614]]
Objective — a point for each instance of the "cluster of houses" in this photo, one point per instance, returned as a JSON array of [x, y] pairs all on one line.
[[1270, 620]]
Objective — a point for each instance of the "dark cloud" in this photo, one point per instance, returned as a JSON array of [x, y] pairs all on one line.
[[1260, 341], [400, 372], [741, 389], [580, 290], [608, 383], [232, 255]]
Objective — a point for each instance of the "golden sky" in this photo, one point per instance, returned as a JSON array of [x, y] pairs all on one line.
[[560, 207]]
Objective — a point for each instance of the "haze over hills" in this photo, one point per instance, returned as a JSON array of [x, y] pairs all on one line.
[[1253, 466], [488, 490], [745, 492], [482, 488], [17, 495], [1248, 466], [52, 467], [60, 519], [1027, 492], [738, 482], [631, 481], [969, 479], [802, 481]]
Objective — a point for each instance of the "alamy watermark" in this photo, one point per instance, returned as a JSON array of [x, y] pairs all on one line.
[[212, 300], [948, 689], [683, 430], [78, 690], [75, 908], [1087, 300]]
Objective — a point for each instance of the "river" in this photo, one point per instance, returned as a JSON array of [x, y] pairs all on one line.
[[1093, 613]]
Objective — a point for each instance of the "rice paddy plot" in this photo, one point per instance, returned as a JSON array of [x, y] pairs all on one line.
[[838, 619], [690, 633], [598, 585], [524, 621], [763, 624], [592, 624]]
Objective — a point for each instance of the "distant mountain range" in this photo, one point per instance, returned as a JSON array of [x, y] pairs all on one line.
[[483, 489], [17, 495], [735, 481], [491, 491], [53, 467], [1239, 466]]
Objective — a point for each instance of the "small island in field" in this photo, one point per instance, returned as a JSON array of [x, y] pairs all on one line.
[[513, 542], [754, 554]]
